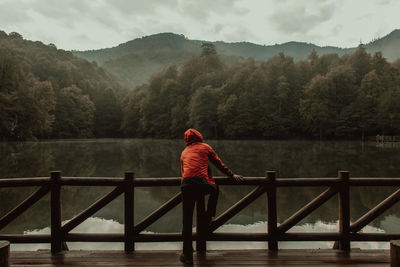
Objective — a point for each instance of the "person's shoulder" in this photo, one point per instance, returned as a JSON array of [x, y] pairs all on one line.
[[184, 150], [207, 146]]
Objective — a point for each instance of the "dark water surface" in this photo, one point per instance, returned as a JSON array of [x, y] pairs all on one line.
[[160, 158]]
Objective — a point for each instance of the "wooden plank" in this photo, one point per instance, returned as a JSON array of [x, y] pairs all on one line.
[[307, 209], [26, 238], [374, 236], [23, 206], [301, 257], [237, 207], [285, 182], [19, 182], [375, 212], [149, 182], [238, 237], [344, 210], [95, 237], [157, 214], [374, 181], [92, 209], [271, 212], [175, 181], [327, 236], [93, 181], [55, 210], [170, 237], [395, 253], [129, 198], [4, 253], [173, 237]]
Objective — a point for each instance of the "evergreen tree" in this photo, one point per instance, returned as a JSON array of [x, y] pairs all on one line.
[[203, 111], [74, 114]]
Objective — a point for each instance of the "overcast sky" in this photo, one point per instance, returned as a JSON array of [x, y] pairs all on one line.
[[93, 24]]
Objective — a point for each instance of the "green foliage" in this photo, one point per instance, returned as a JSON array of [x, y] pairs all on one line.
[[208, 49], [389, 111], [203, 111], [25, 103], [324, 97], [108, 113], [46, 92], [74, 114], [33, 81]]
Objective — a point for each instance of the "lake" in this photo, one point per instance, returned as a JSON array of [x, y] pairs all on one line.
[[160, 158]]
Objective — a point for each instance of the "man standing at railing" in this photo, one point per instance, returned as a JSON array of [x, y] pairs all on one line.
[[197, 181]]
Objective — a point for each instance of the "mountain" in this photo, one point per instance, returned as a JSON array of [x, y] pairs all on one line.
[[388, 45], [135, 61]]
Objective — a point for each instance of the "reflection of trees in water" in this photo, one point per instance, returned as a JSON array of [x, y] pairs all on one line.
[[369, 197], [160, 158], [25, 159], [74, 159], [37, 216], [153, 158], [325, 159]]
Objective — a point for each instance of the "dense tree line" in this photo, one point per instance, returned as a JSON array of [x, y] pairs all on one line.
[[46, 92], [322, 97]]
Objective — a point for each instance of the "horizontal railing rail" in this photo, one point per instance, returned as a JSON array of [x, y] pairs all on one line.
[[175, 181], [267, 186]]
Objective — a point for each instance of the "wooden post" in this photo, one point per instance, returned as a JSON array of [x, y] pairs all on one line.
[[394, 253], [344, 210], [201, 227], [4, 253], [129, 212], [56, 238], [271, 205]]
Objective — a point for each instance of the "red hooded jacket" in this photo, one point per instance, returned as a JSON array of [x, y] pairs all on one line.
[[195, 158]]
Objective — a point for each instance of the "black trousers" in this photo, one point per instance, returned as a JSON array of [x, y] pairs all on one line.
[[191, 193]]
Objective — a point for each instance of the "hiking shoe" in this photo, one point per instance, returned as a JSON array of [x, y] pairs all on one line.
[[186, 259]]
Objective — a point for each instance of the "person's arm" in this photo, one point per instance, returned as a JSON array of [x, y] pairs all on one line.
[[181, 160], [181, 167], [221, 166]]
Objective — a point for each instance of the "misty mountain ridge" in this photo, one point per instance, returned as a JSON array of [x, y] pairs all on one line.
[[135, 61]]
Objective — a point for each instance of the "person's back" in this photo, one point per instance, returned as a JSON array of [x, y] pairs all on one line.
[[197, 180], [194, 161]]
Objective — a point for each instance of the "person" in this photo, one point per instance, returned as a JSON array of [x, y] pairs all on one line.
[[197, 181]]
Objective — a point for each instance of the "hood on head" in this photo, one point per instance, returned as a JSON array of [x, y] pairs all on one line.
[[192, 136]]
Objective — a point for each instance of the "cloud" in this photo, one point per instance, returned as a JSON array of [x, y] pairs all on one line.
[[12, 14], [92, 24], [218, 28], [385, 2], [238, 34], [202, 10], [301, 19]]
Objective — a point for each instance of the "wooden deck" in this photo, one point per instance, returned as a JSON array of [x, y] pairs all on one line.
[[287, 257]]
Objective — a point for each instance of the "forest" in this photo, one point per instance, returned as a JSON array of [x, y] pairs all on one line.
[[47, 92], [327, 97]]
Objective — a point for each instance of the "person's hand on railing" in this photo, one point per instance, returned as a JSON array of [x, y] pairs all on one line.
[[237, 177]]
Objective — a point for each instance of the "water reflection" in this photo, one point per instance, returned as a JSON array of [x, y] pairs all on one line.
[[98, 225], [160, 158]]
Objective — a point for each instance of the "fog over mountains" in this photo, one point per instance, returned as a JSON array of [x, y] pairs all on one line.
[[135, 61]]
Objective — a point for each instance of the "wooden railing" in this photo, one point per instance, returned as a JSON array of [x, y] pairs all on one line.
[[60, 234], [387, 138]]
